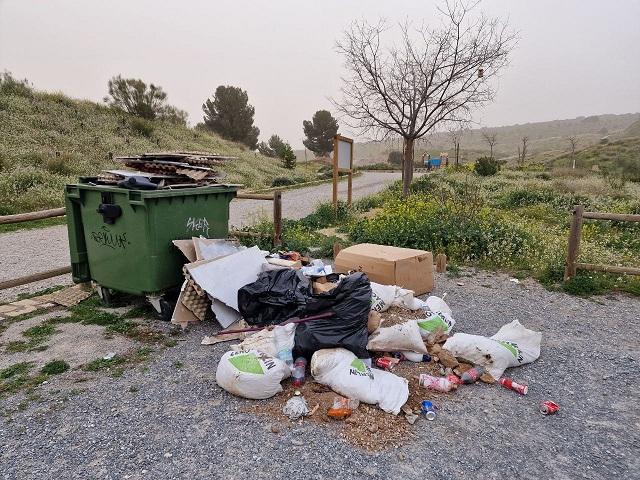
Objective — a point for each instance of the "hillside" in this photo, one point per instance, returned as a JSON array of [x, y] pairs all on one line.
[[632, 130], [35, 125], [549, 138], [621, 157]]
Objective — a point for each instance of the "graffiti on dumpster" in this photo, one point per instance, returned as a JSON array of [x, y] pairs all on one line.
[[198, 225], [109, 239]]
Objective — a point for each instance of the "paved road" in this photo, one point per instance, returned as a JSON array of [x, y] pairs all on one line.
[[31, 251]]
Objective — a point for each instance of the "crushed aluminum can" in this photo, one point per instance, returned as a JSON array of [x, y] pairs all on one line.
[[511, 385], [386, 363], [549, 407]]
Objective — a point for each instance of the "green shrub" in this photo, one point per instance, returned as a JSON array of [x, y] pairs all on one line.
[[424, 223], [486, 166], [282, 182], [55, 367], [325, 215], [142, 127], [12, 86], [377, 166], [587, 283], [60, 164]]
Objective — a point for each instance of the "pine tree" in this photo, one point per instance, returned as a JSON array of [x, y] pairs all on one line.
[[230, 115], [320, 132]]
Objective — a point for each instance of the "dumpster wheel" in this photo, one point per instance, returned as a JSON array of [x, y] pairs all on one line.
[[163, 305], [106, 295]]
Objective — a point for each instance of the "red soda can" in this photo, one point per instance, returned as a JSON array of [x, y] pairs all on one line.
[[454, 379], [511, 385], [549, 407], [386, 363]]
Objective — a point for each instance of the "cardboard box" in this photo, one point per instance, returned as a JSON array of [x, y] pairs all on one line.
[[405, 267]]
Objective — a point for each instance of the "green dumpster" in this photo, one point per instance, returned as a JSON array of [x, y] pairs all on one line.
[[121, 239]]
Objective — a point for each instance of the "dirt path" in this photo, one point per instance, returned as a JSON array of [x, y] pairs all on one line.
[[31, 251]]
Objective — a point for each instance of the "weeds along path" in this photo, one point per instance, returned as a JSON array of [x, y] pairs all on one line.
[[30, 251]]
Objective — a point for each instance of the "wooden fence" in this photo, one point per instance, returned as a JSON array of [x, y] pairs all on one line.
[[575, 234], [275, 197]]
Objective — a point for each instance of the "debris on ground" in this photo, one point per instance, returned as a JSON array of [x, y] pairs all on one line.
[[296, 407], [391, 357], [511, 346]]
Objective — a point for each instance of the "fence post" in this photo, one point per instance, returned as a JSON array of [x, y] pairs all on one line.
[[277, 218], [574, 242]]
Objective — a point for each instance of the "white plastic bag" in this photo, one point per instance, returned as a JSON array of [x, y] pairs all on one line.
[[262, 341], [265, 341], [438, 315], [284, 338], [348, 376], [403, 336], [512, 346], [434, 320], [251, 374], [384, 296]]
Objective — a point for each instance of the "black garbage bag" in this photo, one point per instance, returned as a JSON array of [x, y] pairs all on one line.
[[350, 302], [274, 297]]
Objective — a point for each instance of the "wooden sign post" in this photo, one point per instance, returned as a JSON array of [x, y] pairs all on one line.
[[342, 162]]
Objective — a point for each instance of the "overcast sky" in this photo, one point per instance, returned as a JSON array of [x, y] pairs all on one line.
[[575, 57]]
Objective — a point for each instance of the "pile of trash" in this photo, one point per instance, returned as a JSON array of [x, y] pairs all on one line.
[[367, 347], [151, 171]]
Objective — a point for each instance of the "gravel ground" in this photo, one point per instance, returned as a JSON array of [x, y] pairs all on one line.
[[31, 251], [179, 424]]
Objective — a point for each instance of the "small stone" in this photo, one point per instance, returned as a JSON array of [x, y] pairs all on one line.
[[275, 428], [168, 455], [373, 427], [297, 442], [411, 418], [460, 284]]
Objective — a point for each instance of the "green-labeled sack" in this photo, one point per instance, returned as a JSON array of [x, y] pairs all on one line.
[[251, 374]]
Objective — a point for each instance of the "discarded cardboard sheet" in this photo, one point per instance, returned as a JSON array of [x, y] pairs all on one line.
[[212, 248], [323, 287], [223, 277], [67, 297], [281, 262], [187, 248], [225, 315], [181, 314], [406, 267]]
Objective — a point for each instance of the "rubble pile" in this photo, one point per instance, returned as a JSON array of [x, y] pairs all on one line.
[[166, 170], [336, 348]]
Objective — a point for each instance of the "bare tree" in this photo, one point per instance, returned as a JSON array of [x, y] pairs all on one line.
[[455, 134], [522, 152], [573, 143], [491, 138], [431, 76]]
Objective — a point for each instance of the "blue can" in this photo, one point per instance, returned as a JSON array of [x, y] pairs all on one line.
[[428, 409]]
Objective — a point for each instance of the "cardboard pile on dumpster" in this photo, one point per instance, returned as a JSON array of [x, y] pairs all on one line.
[[151, 171], [340, 347]]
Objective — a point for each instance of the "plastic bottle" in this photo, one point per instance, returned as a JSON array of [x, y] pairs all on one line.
[[472, 375], [412, 356], [436, 383], [299, 368], [282, 339]]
